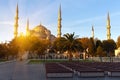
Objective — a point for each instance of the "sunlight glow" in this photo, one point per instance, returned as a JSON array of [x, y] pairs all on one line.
[[22, 33]]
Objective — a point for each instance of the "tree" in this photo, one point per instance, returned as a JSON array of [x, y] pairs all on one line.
[[58, 45], [13, 48], [85, 44], [98, 43], [19, 46], [43, 46], [100, 52], [39, 46], [91, 48], [6, 50], [3, 50], [72, 44], [109, 46]]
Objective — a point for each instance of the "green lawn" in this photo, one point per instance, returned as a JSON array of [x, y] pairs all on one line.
[[47, 61], [34, 62], [3, 60]]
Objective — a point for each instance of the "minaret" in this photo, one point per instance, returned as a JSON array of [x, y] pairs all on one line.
[[59, 23], [16, 23], [92, 32], [108, 27], [27, 28]]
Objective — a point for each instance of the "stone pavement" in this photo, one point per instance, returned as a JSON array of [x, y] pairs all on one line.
[[22, 71]]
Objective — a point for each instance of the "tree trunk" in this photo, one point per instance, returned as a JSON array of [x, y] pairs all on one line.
[[70, 56]]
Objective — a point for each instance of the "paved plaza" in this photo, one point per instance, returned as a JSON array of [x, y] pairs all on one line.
[[23, 71]]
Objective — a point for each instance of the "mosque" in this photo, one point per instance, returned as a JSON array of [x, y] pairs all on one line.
[[43, 33], [40, 30]]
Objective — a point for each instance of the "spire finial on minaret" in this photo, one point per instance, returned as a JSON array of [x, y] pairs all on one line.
[[108, 19], [17, 8], [16, 22], [59, 13], [108, 27], [59, 23], [92, 31]]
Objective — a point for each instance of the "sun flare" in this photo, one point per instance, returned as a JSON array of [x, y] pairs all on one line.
[[22, 33]]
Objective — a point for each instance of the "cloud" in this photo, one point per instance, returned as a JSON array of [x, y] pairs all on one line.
[[7, 23], [115, 14], [44, 14], [78, 22]]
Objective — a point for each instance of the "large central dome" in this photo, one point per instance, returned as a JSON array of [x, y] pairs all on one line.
[[41, 32]]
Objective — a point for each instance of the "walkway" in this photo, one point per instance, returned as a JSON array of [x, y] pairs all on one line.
[[22, 71]]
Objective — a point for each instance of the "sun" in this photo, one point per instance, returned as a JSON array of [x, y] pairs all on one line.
[[22, 32]]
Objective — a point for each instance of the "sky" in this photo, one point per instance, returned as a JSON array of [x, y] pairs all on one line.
[[77, 16]]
